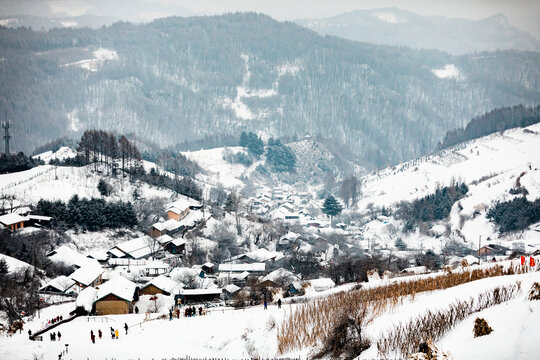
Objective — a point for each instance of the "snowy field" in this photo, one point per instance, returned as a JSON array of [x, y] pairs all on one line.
[[228, 333]]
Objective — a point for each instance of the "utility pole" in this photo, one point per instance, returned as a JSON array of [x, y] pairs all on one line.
[[6, 125], [479, 255]]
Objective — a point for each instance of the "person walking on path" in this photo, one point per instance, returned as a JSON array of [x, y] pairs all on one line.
[[59, 336], [99, 334], [92, 337], [265, 305], [116, 333], [279, 303], [126, 327], [112, 332], [170, 315]]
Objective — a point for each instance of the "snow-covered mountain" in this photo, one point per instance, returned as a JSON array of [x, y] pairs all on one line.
[[394, 26]]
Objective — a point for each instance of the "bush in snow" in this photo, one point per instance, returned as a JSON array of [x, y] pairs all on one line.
[[481, 327], [346, 339], [534, 293], [104, 187]]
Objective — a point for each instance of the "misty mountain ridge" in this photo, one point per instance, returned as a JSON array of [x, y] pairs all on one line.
[[180, 79], [395, 26]]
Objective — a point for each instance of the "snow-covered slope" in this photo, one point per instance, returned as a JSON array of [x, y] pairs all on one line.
[[490, 166], [62, 182], [61, 154], [218, 170]]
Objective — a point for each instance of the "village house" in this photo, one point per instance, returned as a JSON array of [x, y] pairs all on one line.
[[61, 285], [177, 246], [196, 296], [155, 268], [168, 227], [181, 207], [88, 275], [493, 249], [139, 248], [13, 221], [161, 285], [68, 257], [115, 297]]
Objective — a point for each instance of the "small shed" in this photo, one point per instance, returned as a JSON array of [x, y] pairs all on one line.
[[177, 246], [38, 220], [208, 267], [115, 297]]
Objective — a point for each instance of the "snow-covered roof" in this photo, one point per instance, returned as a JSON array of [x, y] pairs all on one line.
[[168, 225], [280, 274], [61, 283], [415, 270], [116, 252], [243, 267], [100, 255], [290, 236], [86, 298], [208, 264], [471, 259], [39, 217], [14, 265], [165, 283], [322, 284], [68, 256], [12, 218], [164, 239], [178, 242], [88, 273], [262, 255], [231, 288], [179, 206], [138, 248], [118, 286], [213, 291]]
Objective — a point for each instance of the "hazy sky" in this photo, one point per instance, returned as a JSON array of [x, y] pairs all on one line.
[[524, 14]]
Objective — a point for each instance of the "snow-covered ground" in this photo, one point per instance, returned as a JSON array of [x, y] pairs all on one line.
[[251, 332], [219, 170], [62, 182]]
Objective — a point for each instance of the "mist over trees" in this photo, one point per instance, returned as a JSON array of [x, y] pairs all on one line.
[[381, 102]]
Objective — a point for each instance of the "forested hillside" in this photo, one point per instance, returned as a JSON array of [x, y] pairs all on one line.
[[182, 79], [497, 120]]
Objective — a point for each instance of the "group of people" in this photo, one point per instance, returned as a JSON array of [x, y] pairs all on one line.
[[55, 320], [189, 311], [114, 333], [265, 304], [55, 335]]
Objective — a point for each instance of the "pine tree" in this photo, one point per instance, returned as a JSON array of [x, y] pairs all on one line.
[[243, 139], [331, 206], [4, 267]]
